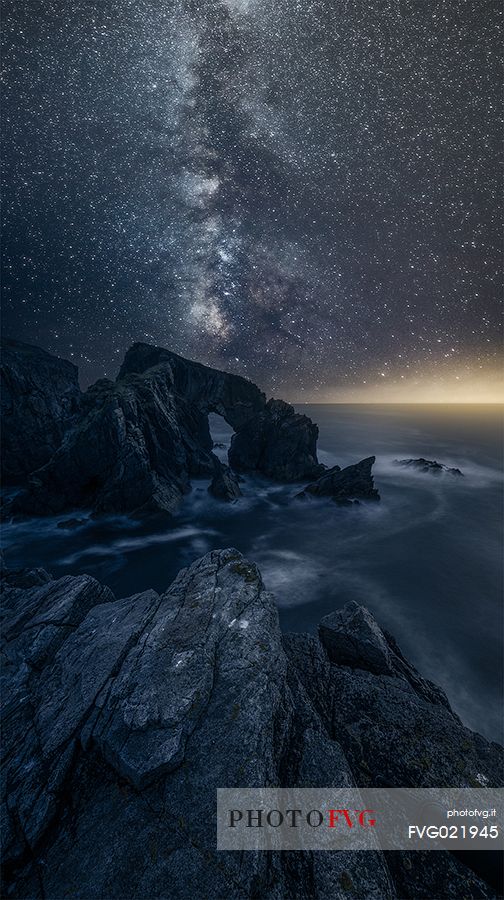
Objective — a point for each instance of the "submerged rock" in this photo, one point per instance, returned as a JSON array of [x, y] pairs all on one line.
[[71, 524], [138, 441], [347, 485], [429, 466], [24, 578], [40, 398], [123, 717]]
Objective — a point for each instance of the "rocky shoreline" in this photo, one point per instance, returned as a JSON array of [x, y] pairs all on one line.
[[123, 716], [133, 445]]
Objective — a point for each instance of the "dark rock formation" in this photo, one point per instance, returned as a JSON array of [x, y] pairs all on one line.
[[24, 578], [40, 397], [133, 450], [279, 443], [122, 717], [345, 485], [235, 398], [139, 440], [396, 728], [225, 484], [429, 466], [351, 637]]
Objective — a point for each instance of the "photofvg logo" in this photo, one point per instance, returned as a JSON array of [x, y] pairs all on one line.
[[359, 819], [314, 818]]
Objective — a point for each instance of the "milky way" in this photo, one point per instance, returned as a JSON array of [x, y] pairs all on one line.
[[302, 191]]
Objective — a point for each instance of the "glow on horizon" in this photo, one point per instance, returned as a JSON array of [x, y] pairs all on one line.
[[484, 388]]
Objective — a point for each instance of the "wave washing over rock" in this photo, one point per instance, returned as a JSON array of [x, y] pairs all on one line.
[[427, 466], [123, 717]]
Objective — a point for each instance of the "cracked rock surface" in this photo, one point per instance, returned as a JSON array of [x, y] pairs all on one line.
[[123, 716]]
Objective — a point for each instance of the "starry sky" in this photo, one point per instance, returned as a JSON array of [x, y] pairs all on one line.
[[301, 191]]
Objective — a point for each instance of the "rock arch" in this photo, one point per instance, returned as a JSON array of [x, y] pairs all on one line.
[[138, 441]]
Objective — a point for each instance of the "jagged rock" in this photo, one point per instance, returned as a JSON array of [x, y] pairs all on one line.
[[129, 453], [40, 398], [225, 484], [23, 578], [429, 466], [235, 398], [144, 708], [122, 717], [345, 486], [396, 727], [139, 440], [279, 443], [352, 637]]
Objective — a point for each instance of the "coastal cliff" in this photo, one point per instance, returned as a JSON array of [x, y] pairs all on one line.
[[39, 400]]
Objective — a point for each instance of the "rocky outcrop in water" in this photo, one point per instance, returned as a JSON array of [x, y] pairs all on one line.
[[428, 466], [279, 443], [225, 484], [345, 486], [122, 717], [138, 441], [39, 400]]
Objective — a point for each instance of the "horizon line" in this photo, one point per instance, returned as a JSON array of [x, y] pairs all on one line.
[[399, 402]]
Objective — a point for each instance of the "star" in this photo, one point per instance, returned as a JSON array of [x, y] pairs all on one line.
[[303, 191]]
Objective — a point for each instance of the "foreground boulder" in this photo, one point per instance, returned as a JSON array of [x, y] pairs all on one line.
[[138, 441], [345, 486], [40, 398], [428, 466], [123, 717]]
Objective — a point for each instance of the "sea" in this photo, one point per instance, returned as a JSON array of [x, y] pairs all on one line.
[[426, 560]]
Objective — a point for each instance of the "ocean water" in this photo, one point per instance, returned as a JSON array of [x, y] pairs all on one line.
[[426, 560]]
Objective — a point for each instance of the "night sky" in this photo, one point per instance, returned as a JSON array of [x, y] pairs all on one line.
[[302, 191]]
